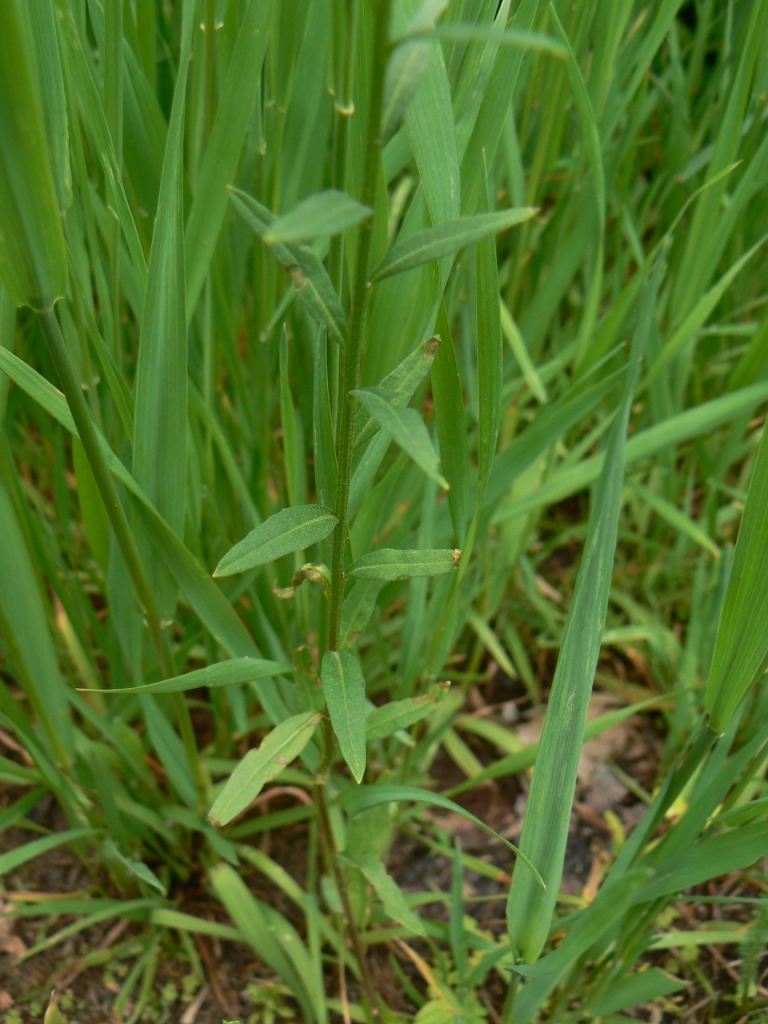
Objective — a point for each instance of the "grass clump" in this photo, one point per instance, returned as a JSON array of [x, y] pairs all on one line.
[[349, 350]]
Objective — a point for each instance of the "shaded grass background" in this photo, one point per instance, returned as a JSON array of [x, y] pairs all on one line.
[[174, 314]]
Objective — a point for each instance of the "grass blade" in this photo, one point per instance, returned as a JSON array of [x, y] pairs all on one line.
[[545, 827]]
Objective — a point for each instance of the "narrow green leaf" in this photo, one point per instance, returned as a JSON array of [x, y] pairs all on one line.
[[225, 673], [740, 655], [391, 564], [97, 126], [320, 215], [278, 749], [490, 356], [326, 470], [407, 429], [291, 529], [447, 239], [28, 851], [451, 426], [160, 419], [344, 688], [407, 65], [310, 278]]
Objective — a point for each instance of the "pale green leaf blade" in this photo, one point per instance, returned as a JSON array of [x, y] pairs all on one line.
[[290, 529], [278, 749], [344, 688], [447, 239], [392, 564]]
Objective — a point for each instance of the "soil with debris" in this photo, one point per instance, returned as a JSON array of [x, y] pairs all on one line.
[[205, 980]]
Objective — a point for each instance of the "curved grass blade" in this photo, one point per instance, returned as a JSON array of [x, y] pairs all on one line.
[[361, 799], [545, 826]]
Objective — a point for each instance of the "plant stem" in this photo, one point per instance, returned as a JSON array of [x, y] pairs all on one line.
[[349, 367], [357, 947], [117, 517]]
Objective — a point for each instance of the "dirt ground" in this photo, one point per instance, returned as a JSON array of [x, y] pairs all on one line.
[[201, 980]]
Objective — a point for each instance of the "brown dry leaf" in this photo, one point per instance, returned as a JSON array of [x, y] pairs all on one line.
[[6, 1000]]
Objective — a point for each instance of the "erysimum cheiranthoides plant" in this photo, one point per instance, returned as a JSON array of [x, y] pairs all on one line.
[[247, 232]]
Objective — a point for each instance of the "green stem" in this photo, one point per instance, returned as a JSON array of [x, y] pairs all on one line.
[[372, 1008], [117, 517], [349, 368], [210, 65]]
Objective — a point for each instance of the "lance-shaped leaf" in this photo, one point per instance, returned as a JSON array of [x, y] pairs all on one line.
[[33, 259], [279, 748], [407, 429], [344, 688], [310, 278], [397, 388], [545, 827], [740, 656], [389, 892], [225, 673], [447, 239], [391, 564], [290, 529], [325, 213]]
